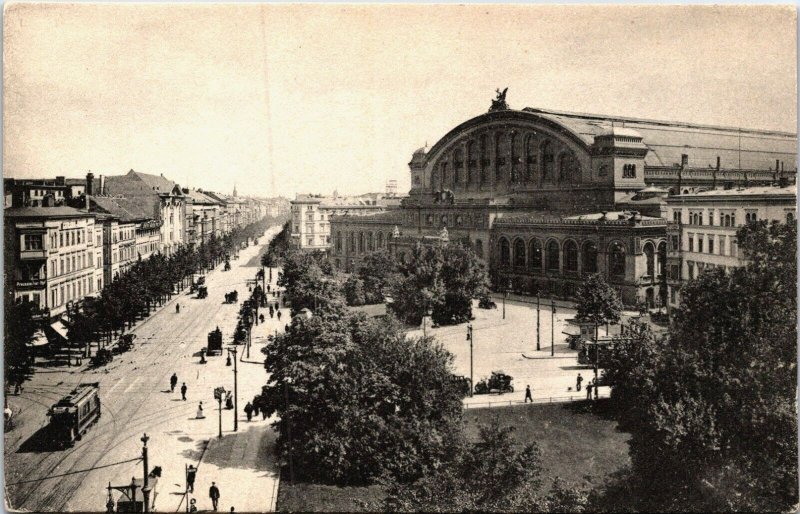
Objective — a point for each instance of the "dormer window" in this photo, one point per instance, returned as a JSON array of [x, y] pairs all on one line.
[[629, 171]]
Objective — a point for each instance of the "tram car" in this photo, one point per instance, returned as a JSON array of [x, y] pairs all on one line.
[[72, 416]]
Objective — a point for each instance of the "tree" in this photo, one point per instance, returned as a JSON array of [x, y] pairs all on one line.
[[354, 291], [711, 408], [490, 475], [377, 271], [360, 399], [20, 330], [310, 281], [444, 279], [598, 302], [278, 246]]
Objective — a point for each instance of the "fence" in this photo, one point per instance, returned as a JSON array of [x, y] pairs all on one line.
[[550, 399]]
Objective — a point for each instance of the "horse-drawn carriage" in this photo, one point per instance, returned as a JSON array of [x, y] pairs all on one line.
[[232, 297], [202, 292], [124, 344], [102, 357], [214, 343], [499, 382]]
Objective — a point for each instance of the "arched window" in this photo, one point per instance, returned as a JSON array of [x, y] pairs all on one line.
[[360, 242], [535, 254], [443, 180], [649, 253], [789, 218], [471, 162], [370, 244], [519, 253], [380, 239], [479, 248], [552, 255], [589, 257], [505, 252], [338, 241], [531, 156], [570, 256], [352, 241], [566, 167], [548, 160], [484, 158], [499, 158], [435, 180], [513, 158], [616, 259], [458, 166], [662, 258]]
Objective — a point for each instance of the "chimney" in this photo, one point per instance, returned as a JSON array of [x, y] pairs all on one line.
[[102, 190], [89, 183], [716, 171]]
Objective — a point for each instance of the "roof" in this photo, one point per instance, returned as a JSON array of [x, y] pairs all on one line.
[[789, 191], [198, 196], [393, 216], [138, 183], [611, 215], [46, 212], [123, 208], [75, 181], [738, 148]]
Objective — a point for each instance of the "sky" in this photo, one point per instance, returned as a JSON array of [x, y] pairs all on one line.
[[286, 99]]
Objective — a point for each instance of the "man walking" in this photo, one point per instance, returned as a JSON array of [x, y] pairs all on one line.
[[173, 381], [279, 314], [191, 473], [589, 391], [248, 410], [183, 391], [213, 493], [578, 382], [528, 395]]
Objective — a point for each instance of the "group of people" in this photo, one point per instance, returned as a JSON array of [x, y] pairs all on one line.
[[213, 491], [591, 386]]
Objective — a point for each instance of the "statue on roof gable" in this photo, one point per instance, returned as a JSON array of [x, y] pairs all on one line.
[[499, 103]]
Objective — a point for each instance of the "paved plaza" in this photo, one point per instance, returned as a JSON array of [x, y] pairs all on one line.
[[134, 389]]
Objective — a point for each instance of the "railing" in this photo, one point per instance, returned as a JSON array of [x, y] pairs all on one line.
[[549, 399]]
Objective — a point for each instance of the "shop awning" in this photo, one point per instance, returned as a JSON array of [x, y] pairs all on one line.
[[39, 339], [59, 329]]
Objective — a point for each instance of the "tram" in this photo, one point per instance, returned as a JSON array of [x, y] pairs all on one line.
[[72, 416]]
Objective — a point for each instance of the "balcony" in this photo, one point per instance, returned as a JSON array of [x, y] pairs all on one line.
[[38, 254]]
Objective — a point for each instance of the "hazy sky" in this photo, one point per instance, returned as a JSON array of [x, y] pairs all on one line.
[[327, 97]]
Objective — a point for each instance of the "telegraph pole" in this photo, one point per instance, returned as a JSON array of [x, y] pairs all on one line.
[[235, 392], [146, 486]]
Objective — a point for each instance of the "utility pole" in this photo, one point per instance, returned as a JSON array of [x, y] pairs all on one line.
[[553, 329], [470, 339], [538, 300], [146, 486]]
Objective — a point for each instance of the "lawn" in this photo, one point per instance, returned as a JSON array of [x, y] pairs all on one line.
[[579, 442]]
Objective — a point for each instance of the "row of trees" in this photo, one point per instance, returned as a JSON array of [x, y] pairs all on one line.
[[711, 408], [132, 295]]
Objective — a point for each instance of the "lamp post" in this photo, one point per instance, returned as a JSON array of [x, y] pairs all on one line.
[[538, 325], [219, 392], [235, 391], [553, 329], [146, 486], [470, 339]]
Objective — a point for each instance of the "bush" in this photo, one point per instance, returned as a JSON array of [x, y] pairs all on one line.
[[354, 291]]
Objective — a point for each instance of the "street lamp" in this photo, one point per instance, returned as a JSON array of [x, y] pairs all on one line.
[[219, 392], [235, 391], [538, 325], [505, 295], [146, 486], [470, 338], [553, 329]]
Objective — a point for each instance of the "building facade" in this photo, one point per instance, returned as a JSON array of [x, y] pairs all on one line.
[[311, 215], [702, 228], [51, 256], [545, 196]]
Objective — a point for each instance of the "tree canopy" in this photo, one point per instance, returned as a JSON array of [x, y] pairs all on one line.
[[359, 399], [712, 407], [444, 279], [20, 329], [597, 301]]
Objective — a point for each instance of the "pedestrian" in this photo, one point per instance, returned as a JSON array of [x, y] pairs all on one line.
[[213, 493], [268, 287], [191, 473], [229, 400], [255, 406], [248, 409], [596, 388], [200, 414], [177, 308], [173, 381], [528, 395], [183, 391], [589, 391], [193, 505], [578, 382], [279, 314]]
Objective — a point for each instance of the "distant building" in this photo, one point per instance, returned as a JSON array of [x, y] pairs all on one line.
[[203, 216], [36, 192], [156, 195], [702, 228], [51, 256], [311, 215]]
